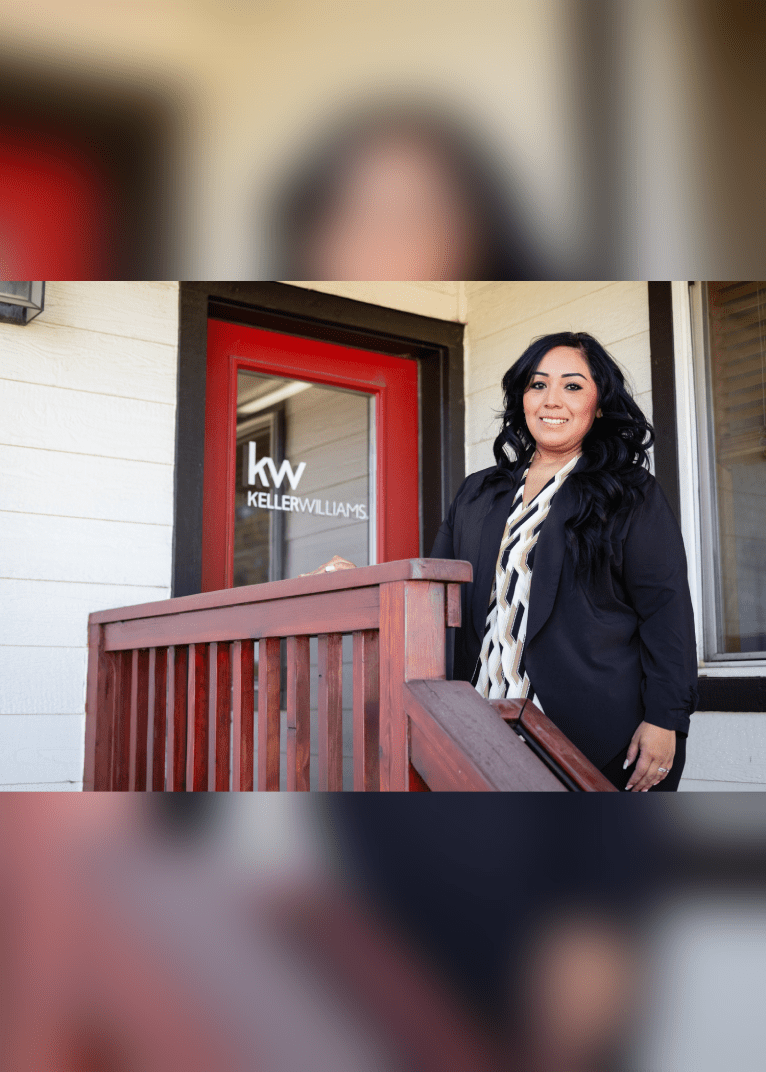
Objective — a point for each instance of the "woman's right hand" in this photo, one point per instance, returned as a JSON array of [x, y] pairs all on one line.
[[335, 563]]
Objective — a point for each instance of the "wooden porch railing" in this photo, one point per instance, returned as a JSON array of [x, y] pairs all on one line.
[[173, 689]]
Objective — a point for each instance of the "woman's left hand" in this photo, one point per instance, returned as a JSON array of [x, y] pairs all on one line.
[[655, 748]]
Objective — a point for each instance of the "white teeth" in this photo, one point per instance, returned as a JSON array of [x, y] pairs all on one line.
[[554, 420]]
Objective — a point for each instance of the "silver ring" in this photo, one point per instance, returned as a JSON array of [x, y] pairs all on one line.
[[662, 770]]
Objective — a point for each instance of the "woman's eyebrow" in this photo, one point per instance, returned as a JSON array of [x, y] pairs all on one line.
[[563, 374]]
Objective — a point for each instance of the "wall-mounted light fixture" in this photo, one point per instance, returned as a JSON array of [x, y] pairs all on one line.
[[21, 302]]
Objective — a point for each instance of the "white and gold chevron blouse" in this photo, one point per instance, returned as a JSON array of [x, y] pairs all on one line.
[[501, 671]]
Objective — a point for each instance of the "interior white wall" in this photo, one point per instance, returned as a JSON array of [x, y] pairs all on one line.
[[87, 442]]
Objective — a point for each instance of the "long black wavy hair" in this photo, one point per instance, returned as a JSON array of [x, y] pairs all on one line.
[[614, 474]]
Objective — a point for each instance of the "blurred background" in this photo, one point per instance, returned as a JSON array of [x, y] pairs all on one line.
[[462, 932], [501, 139]]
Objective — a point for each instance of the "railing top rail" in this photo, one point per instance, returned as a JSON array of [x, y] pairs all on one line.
[[409, 569], [458, 741]]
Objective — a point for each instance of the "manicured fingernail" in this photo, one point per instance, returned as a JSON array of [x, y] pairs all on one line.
[[629, 786], [644, 790], [625, 765]]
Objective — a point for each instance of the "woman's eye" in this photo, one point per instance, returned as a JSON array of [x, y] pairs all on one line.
[[574, 386], [541, 383]]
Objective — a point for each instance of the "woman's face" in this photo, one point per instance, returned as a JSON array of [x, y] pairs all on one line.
[[561, 400]]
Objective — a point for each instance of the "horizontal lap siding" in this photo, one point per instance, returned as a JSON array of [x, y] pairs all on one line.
[[44, 613], [46, 359], [41, 680], [80, 549], [41, 748], [56, 418], [87, 393], [65, 484]]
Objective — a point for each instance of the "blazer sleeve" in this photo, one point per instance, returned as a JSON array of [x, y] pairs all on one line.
[[656, 581], [444, 544]]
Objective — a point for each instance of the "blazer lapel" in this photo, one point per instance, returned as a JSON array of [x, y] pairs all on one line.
[[549, 556], [489, 547]]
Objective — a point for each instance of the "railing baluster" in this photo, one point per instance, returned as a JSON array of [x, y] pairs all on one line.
[[366, 711], [268, 713], [151, 703], [111, 696], [99, 712], [139, 695], [242, 660], [330, 704], [176, 746], [298, 713], [121, 734], [212, 713], [133, 718], [155, 735], [218, 718], [197, 719]]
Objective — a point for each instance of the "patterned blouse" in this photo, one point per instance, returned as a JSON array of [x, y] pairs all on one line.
[[500, 671]]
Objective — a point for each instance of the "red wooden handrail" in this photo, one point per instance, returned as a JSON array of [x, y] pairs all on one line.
[[458, 742], [534, 726], [171, 692]]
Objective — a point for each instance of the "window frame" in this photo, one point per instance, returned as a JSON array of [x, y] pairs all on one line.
[[707, 521]]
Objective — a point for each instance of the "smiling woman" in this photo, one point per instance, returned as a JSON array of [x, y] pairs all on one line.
[[580, 599]]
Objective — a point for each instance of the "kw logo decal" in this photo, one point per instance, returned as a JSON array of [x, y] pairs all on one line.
[[291, 503], [255, 469]]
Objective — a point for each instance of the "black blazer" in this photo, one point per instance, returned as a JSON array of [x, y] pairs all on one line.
[[602, 656]]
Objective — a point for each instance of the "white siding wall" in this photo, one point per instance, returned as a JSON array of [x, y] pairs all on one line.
[[87, 397]]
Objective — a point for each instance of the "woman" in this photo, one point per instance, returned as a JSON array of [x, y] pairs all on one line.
[[580, 599]]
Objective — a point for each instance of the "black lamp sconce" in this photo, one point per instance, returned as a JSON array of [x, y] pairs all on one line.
[[21, 302]]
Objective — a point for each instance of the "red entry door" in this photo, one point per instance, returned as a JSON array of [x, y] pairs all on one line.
[[311, 449]]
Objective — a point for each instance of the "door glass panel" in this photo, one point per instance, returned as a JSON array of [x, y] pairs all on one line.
[[305, 478]]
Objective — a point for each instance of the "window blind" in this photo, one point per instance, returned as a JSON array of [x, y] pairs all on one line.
[[737, 323]]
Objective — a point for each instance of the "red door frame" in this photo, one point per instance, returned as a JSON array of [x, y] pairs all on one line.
[[392, 380]]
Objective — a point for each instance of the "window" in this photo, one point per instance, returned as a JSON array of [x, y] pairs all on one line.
[[729, 320]]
